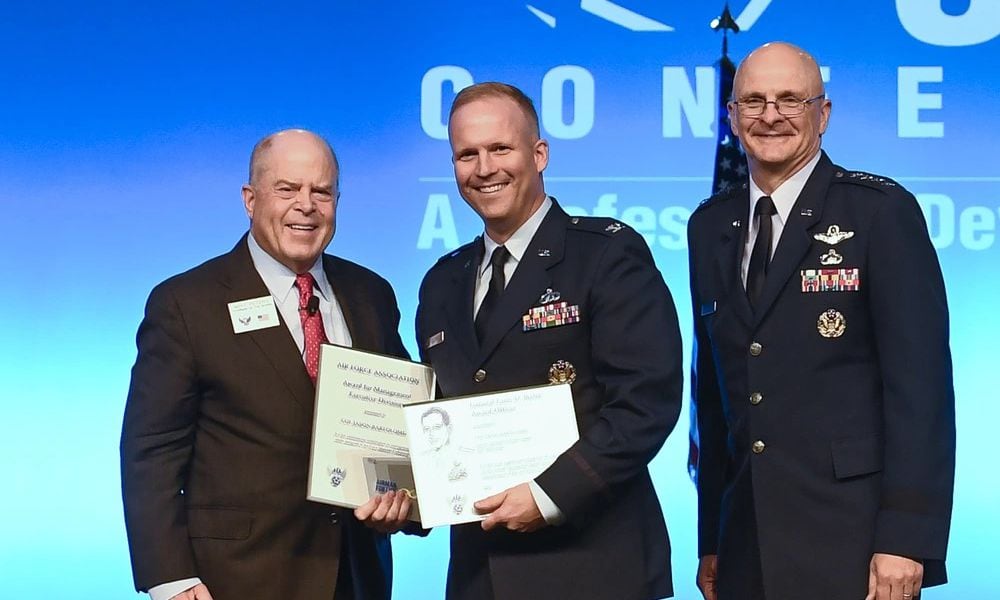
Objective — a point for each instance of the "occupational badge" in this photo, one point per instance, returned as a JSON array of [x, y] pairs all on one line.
[[831, 324], [550, 295], [833, 235], [562, 371], [830, 257]]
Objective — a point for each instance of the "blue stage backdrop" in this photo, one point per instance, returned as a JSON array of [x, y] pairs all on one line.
[[124, 136]]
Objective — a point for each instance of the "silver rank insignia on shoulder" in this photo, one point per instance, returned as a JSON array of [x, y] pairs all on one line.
[[574, 220], [830, 257], [614, 227], [831, 324], [833, 235], [550, 295], [544, 252], [562, 371]]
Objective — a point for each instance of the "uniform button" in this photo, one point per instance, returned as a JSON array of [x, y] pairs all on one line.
[[755, 398], [480, 376], [758, 447], [755, 349], [334, 518]]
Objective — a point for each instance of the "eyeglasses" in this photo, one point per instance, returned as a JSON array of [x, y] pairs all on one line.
[[787, 106]]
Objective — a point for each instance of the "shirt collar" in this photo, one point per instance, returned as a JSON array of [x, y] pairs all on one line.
[[785, 195], [517, 244], [279, 279]]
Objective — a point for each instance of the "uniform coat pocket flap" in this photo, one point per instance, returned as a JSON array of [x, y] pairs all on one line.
[[219, 523], [856, 456]]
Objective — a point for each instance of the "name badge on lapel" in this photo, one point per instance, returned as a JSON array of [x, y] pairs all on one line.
[[553, 314], [435, 339], [253, 314]]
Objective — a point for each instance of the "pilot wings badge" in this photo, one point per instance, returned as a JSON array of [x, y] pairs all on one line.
[[833, 235]]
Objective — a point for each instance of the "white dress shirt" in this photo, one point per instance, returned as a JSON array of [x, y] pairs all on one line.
[[517, 245], [280, 281], [784, 197]]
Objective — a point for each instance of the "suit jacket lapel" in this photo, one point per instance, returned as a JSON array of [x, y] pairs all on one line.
[[734, 231], [276, 343], [458, 303], [795, 239], [530, 279], [361, 320]]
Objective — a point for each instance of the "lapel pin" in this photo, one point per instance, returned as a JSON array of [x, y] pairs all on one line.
[[544, 252], [806, 212]]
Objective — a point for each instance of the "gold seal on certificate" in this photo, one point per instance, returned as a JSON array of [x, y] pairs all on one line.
[[360, 447]]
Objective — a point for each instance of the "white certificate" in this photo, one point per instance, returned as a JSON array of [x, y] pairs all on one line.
[[359, 445], [466, 449]]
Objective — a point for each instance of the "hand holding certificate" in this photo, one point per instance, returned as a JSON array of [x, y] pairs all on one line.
[[458, 450], [360, 447], [466, 449]]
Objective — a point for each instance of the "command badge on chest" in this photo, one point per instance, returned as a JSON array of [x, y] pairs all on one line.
[[562, 371], [831, 324], [831, 280]]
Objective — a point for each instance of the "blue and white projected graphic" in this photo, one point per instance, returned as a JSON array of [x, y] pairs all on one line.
[[125, 130]]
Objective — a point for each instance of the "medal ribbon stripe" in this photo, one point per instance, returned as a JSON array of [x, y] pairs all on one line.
[[551, 315], [831, 280]]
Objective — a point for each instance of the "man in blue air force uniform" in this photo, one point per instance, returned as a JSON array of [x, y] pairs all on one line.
[[822, 371], [543, 297]]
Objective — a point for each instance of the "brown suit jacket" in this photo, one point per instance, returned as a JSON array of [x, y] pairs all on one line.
[[215, 442]]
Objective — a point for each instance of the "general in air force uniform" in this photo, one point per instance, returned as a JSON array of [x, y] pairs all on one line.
[[826, 416]]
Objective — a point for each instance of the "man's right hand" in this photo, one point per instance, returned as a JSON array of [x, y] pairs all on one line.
[[707, 568], [198, 592], [386, 513]]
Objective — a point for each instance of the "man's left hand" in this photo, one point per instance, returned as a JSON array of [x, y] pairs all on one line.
[[893, 577], [513, 508]]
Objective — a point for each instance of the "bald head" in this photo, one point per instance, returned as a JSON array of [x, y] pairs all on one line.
[[796, 63], [261, 154]]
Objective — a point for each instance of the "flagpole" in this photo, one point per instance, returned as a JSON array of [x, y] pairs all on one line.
[[730, 170]]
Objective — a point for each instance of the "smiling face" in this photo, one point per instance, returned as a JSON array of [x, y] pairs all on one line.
[[498, 160], [778, 146], [292, 198]]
